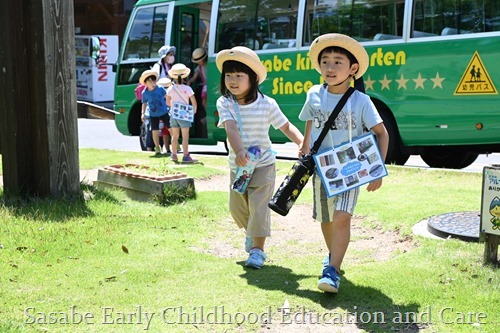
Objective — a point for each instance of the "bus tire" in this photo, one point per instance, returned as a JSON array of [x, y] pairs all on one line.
[[448, 158], [395, 151]]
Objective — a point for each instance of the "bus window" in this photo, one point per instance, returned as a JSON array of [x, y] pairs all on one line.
[[364, 21], [444, 18], [271, 25], [147, 33]]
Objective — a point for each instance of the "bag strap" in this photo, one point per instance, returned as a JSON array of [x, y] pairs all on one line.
[[331, 120], [178, 94]]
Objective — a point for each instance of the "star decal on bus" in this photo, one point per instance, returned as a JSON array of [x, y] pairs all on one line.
[[385, 83], [402, 82], [419, 81], [369, 83], [438, 81]]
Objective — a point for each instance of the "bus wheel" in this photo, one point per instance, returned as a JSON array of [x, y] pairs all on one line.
[[444, 157], [395, 153]]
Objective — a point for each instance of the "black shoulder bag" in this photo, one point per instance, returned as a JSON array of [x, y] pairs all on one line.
[[297, 178]]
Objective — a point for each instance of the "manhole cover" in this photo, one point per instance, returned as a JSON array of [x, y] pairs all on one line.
[[462, 225]]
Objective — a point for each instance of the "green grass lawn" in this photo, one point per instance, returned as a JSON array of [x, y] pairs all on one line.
[[110, 264]]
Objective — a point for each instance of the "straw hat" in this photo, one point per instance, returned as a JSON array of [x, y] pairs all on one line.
[[164, 50], [165, 82], [147, 73], [244, 55], [179, 69], [346, 42], [198, 55]]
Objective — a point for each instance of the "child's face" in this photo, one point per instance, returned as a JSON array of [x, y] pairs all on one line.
[[335, 68], [238, 84], [151, 83]]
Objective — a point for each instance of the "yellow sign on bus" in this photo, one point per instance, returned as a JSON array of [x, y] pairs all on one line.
[[476, 80]]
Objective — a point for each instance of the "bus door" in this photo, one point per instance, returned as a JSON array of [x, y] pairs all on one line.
[[185, 35]]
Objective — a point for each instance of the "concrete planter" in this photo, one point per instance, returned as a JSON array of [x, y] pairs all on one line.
[[139, 186]]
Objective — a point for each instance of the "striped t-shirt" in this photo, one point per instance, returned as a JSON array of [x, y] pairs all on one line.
[[256, 119]]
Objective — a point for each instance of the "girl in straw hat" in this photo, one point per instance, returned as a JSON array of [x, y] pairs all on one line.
[[182, 93], [339, 59], [154, 99], [246, 114]]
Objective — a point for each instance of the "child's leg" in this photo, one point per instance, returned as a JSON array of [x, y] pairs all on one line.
[[185, 140], [174, 131], [337, 235], [156, 138]]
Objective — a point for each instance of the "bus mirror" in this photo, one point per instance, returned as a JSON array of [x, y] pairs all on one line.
[[95, 48]]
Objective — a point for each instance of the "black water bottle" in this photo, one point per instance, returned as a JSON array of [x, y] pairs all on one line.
[[292, 185]]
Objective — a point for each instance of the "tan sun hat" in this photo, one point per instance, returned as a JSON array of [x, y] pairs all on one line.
[[147, 73], [198, 55], [244, 55], [340, 40], [179, 69], [165, 82]]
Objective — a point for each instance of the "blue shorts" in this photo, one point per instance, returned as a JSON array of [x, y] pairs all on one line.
[[176, 123]]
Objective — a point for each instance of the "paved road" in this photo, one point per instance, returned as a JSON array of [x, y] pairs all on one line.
[[103, 134]]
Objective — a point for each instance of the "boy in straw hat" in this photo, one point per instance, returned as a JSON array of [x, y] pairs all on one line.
[[246, 114], [339, 59], [154, 99], [181, 93]]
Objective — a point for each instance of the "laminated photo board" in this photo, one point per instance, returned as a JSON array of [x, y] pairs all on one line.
[[350, 165], [182, 111]]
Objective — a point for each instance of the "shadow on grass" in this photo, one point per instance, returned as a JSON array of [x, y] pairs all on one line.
[[53, 209], [366, 307]]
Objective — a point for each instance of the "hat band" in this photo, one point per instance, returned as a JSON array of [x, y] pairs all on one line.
[[199, 58]]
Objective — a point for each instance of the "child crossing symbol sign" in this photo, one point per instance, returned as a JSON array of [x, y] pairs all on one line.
[[476, 80]]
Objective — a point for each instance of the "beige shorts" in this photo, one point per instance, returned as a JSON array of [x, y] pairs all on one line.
[[249, 210], [324, 207]]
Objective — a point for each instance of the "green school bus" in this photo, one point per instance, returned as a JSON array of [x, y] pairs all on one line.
[[433, 72]]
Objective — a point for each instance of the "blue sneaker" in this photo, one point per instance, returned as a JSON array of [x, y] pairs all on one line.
[[248, 243], [330, 280], [256, 258]]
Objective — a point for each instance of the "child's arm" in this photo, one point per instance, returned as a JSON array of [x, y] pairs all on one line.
[[193, 102], [192, 79], [234, 138], [383, 144], [169, 101], [143, 109], [292, 133], [305, 147]]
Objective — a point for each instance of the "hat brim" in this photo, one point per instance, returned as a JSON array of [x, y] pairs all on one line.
[[241, 54], [343, 41], [164, 82], [183, 75], [170, 49], [147, 74]]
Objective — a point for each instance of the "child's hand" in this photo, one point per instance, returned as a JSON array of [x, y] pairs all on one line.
[[242, 158], [304, 150], [374, 185]]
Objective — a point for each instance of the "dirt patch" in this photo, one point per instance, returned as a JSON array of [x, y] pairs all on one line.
[[302, 235]]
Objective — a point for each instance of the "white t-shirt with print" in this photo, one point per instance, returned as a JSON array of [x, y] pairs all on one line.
[[358, 108], [256, 118]]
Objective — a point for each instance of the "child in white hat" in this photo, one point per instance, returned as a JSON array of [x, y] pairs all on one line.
[[246, 114], [339, 59]]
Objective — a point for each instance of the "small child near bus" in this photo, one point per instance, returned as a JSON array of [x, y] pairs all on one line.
[[181, 93], [339, 59], [154, 98], [246, 114]]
